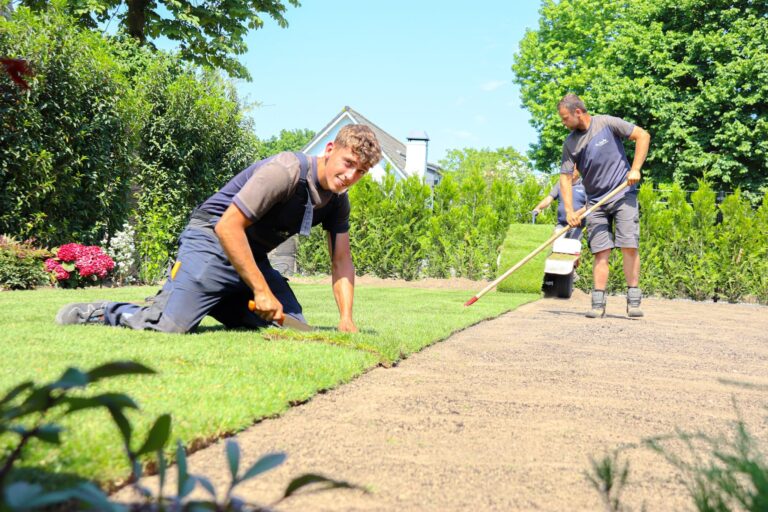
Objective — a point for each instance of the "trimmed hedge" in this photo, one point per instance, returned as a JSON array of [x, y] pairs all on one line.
[[694, 248], [690, 246], [402, 229]]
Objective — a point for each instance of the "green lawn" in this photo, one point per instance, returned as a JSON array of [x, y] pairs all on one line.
[[217, 381], [521, 240]]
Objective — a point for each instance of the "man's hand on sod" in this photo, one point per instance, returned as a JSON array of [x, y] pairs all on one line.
[[347, 325]]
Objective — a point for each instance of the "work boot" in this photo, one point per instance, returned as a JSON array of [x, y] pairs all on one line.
[[634, 296], [598, 304], [81, 313]]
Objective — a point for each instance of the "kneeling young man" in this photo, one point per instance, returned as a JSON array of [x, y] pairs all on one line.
[[222, 260]]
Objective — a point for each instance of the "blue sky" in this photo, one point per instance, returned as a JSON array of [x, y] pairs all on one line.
[[441, 67]]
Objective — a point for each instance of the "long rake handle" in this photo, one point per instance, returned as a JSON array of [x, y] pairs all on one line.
[[544, 245]]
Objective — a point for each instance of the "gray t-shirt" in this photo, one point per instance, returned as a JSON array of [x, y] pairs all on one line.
[[268, 183], [598, 152], [275, 182]]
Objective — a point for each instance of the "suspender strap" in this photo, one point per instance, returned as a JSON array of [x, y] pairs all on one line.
[[303, 164], [306, 221]]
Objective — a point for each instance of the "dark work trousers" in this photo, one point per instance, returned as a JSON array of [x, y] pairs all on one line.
[[205, 283]]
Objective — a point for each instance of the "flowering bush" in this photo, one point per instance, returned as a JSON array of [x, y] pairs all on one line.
[[77, 265], [122, 249]]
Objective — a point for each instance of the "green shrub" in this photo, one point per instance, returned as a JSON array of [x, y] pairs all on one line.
[[760, 255], [21, 264], [468, 219], [195, 139], [67, 141], [387, 224], [738, 254], [686, 252], [157, 233]]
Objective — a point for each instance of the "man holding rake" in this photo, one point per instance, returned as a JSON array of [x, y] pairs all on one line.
[[595, 146]]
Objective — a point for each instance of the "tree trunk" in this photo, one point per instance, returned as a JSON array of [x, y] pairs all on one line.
[[136, 19]]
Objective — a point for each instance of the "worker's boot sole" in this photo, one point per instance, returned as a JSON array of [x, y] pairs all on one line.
[[81, 313], [596, 313], [634, 297], [598, 304]]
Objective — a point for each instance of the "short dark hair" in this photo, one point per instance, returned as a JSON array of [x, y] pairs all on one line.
[[571, 102]]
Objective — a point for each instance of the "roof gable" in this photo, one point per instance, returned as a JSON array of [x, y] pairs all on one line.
[[393, 151]]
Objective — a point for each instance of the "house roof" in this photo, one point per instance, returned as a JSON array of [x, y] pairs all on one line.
[[393, 149]]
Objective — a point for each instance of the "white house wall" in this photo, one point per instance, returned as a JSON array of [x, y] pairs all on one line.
[[318, 147]]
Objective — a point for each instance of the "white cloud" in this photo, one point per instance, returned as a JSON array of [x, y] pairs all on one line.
[[493, 85], [461, 100], [480, 119]]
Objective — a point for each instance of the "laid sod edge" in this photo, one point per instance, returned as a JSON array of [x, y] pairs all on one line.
[[245, 377]]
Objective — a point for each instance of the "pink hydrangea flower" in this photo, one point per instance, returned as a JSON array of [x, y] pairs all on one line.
[[93, 262], [53, 266], [90, 262], [69, 252]]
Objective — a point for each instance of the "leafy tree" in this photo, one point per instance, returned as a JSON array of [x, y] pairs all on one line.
[[194, 140], [209, 32], [65, 166], [564, 54], [288, 140], [692, 72], [501, 162]]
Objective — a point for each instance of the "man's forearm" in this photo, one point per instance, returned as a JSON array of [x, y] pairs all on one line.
[[642, 143], [566, 192], [231, 233], [544, 203], [343, 277], [239, 253]]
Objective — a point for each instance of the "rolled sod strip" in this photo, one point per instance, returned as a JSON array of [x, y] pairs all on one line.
[[521, 240]]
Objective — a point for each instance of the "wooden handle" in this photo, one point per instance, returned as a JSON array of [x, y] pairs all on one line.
[[252, 307], [544, 245]]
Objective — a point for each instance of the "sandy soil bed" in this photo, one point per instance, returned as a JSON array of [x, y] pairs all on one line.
[[505, 415]]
